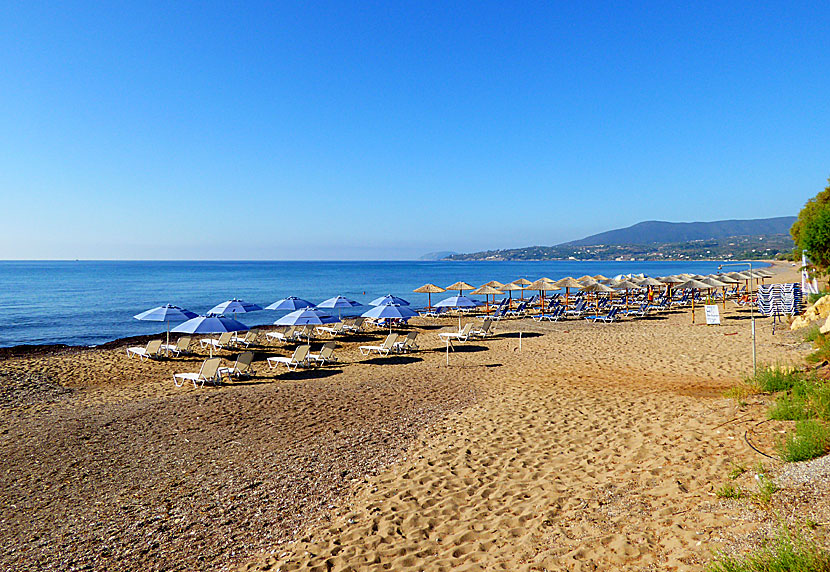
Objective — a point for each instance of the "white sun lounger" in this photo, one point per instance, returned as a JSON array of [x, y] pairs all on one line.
[[241, 367], [408, 344], [180, 347], [383, 349], [297, 359], [460, 336], [325, 356], [207, 373], [224, 340], [151, 350], [286, 335]]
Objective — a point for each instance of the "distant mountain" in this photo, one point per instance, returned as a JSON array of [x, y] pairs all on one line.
[[658, 240], [653, 231], [439, 255]]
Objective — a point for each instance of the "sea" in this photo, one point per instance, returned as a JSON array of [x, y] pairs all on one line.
[[85, 303]]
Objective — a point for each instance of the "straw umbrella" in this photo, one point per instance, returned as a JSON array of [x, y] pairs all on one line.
[[543, 285], [694, 285], [599, 277], [524, 283], [486, 291], [510, 288], [495, 284], [597, 288], [460, 286], [567, 283], [429, 290], [627, 285]]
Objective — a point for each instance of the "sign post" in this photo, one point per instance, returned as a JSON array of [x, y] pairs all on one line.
[[712, 315]]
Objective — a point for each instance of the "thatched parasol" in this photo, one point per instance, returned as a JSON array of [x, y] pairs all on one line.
[[567, 283], [487, 291], [429, 290], [460, 286], [694, 285]]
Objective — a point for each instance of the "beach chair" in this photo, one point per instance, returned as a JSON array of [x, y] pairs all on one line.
[[331, 330], [578, 310], [325, 356], [180, 347], [223, 341], [461, 335], [432, 312], [520, 310], [607, 318], [485, 330], [207, 373], [286, 335], [355, 325], [408, 344], [641, 311], [382, 349], [241, 367], [297, 359], [246, 340], [149, 351], [554, 316]]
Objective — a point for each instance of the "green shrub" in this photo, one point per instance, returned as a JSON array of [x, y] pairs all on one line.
[[822, 352], [790, 407], [788, 552], [819, 395], [811, 439], [813, 298], [772, 379]]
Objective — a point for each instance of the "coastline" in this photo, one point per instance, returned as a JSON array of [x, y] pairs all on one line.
[[594, 445]]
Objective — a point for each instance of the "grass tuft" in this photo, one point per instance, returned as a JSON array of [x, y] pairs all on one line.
[[766, 488], [788, 552], [737, 471], [729, 491], [812, 333], [811, 439]]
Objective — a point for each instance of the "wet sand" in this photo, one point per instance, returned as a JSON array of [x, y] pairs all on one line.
[[595, 446]]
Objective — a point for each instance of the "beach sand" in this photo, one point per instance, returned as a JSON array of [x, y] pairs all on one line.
[[594, 446]]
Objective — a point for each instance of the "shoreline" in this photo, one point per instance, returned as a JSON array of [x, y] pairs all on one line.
[[21, 350]]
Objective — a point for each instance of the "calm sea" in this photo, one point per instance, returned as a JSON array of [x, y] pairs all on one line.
[[88, 303]]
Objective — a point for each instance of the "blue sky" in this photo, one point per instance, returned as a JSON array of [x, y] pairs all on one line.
[[386, 130]]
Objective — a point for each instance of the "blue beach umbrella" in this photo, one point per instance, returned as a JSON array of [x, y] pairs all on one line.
[[457, 302], [306, 317], [234, 307], [166, 313], [290, 303], [338, 302], [210, 324], [390, 312], [388, 299]]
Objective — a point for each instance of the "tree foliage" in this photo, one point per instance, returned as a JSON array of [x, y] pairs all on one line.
[[811, 231]]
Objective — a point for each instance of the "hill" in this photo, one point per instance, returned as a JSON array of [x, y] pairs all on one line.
[[653, 231], [658, 240]]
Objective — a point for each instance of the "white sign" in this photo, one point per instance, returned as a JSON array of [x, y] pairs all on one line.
[[712, 315]]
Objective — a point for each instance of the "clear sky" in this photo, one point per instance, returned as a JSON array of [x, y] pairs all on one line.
[[314, 130]]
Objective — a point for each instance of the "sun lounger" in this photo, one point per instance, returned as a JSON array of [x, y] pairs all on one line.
[[485, 330], [555, 316], [641, 311], [286, 335], [223, 341], [180, 347], [331, 330], [461, 335], [382, 349], [246, 340], [297, 359], [149, 351], [607, 318], [241, 368], [432, 312], [325, 356], [207, 373], [578, 310], [408, 344], [355, 325]]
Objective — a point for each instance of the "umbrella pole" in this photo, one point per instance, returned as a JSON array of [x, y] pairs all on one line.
[[167, 349], [693, 305]]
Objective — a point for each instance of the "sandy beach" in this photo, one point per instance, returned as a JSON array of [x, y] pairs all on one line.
[[594, 446]]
